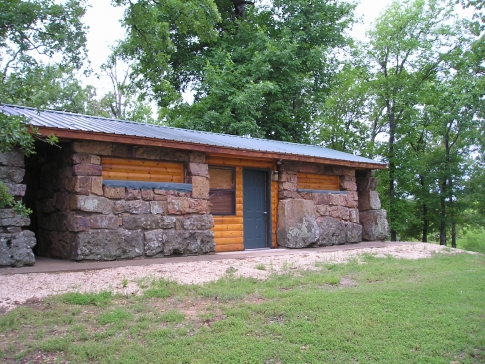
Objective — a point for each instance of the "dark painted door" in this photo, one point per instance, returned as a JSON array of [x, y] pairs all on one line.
[[254, 209]]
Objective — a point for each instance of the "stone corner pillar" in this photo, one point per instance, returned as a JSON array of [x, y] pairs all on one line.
[[16, 242], [374, 225], [372, 218], [297, 226]]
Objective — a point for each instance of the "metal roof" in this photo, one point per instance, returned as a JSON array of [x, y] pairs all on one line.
[[85, 123]]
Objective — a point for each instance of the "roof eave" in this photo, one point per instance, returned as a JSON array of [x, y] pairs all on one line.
[[127, 139]]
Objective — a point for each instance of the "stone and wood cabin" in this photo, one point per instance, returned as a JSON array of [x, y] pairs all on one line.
[[114, 189]]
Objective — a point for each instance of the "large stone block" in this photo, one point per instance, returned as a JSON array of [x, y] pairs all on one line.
[[97, 185], [158, 207], [87, 170], [184, 205], [282, 195], [198, 222], [338, 212], [12, 174], [332, 231], [288, 186], [91, 204], [103, 222], [147, 195], [369, 200], [5, 256], [80, 185], [7, 213], [297, 226], [137, 207], [348, 186], [16, 189], [321, 198], [76, 222], [13, 157], [16, 249], [354, 215], [114, 192], [95, 159], [154, 240], [15, 221], [132, 194], [148, 222], [107, 245], [354, 232], [338, 200], [374, 225], [198, 169], [200, 187], [188, 242], [80, 158]]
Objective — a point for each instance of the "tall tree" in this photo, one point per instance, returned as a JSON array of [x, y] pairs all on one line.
[[263, 75], [413, 95], [32, 33]]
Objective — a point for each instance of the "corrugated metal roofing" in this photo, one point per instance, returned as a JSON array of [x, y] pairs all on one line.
[[78, 122]]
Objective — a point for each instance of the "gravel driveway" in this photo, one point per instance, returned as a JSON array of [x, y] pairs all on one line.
[[16, 289]]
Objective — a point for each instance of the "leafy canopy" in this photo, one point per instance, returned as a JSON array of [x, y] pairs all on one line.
[[263, 75]]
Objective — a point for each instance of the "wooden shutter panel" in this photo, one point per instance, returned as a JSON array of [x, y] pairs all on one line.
[[142, 170], [310, 181]]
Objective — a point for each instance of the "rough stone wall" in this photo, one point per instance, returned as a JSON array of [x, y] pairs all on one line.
[[372, 217], [80, 218], [313, 218], [16, 242]]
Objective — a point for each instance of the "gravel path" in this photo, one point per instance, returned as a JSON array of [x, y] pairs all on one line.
[[16, 289]]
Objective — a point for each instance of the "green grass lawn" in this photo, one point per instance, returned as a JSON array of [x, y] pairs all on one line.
[[382, 311]]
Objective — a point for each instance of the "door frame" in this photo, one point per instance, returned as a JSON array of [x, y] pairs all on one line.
[[267, 191]]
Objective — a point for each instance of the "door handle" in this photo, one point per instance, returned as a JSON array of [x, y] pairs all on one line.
[[265, 213]]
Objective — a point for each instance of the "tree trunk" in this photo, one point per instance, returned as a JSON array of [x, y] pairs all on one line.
[[443, 214], [452, 212], [453, 234], [424, 209], [425, 224], [392, 167]]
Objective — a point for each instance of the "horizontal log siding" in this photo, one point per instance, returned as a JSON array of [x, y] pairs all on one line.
[[312, 181], [142, 170], [228, 230], [274, 212]]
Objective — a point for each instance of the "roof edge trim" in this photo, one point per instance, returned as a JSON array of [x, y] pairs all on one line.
[[125, 139]]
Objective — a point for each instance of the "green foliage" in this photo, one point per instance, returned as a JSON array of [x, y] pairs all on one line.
[[473, 240], [7, 200], [31, 33], [412, 97], [265, 75]]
